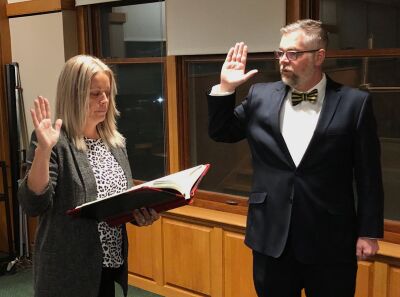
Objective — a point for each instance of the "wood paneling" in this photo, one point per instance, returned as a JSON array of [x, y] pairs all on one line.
[[187, 256], [394, 283], [201, 252], [364, 278], [141, 247], [380, 279], [238, 280], [38, 6]]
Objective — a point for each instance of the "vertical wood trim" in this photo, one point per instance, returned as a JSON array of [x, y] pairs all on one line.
[[217, 275], [172, 113], [394, 283], [380, 279], [81, 27], [5, 58], [292, 11], [158, 261]]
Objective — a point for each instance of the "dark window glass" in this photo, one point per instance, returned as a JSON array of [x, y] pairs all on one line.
[[141, 102], [231, 172], [138, 31], [360, 24]]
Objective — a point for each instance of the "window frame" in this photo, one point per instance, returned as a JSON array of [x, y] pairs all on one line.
[[238, 204], [89, 32]]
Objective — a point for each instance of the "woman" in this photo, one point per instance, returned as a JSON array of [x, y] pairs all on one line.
[[81, 157]]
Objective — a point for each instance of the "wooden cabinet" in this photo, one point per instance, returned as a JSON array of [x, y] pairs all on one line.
[[193, 252]]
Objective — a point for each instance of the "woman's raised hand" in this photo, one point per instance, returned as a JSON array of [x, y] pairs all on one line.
[[233, 71], [46, 134]]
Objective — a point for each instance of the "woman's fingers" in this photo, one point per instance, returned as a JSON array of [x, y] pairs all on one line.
[[58, 125], [145, 217], [47, 107], [155, 215], [34, 118]]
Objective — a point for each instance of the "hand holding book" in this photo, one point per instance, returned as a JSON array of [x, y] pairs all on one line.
[[161, 194]]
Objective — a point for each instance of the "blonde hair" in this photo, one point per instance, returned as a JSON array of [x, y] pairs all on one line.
[[72, 101], [315, 34]]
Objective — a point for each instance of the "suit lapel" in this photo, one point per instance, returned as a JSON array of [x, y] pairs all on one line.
[[331, 102], [85, 173], [329, 107], [275, 114]]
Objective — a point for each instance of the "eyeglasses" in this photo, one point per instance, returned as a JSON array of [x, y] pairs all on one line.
[[292, 55]]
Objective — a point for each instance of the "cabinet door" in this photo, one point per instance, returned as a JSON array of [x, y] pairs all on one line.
[[187, 256], [238, 264]]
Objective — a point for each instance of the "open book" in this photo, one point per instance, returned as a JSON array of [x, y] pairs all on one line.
[[162, 194]]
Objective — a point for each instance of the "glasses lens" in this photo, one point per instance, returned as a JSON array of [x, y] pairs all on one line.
[[291, 55]]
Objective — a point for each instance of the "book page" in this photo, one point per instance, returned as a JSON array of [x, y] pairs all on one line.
[[181, 181]]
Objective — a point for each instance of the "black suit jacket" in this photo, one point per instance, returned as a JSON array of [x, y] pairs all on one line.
[[313, 205]]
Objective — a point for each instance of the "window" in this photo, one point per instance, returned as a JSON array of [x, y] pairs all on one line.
[[131, 40], [366, 56]]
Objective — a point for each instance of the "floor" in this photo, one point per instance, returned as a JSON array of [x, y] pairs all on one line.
[[19, 284]]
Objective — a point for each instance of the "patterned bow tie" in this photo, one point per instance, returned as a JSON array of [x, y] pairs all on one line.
[[298, 97]]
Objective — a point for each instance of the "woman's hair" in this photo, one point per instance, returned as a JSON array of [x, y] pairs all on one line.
[[72, 101], [315, 34]]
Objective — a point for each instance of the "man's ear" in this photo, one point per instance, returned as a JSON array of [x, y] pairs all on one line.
[[320, 57]]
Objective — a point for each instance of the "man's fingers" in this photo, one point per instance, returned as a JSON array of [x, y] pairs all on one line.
[[240, 52], [243, 58], [250, 74], [229, 55], [235, 52]]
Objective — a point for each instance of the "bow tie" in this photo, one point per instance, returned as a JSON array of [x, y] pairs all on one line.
[[298, 97]]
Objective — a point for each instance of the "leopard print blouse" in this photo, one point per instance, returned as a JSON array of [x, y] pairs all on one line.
[[110, 179]]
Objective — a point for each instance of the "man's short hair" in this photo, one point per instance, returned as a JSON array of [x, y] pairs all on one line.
[[315, 34]]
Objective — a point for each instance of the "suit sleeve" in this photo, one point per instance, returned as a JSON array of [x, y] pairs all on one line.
[[225, 122], [368, 174]]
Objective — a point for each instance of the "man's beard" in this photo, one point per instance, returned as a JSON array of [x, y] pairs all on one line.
[[292, 81]]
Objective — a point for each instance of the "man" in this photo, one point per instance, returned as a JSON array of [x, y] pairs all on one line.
[[304, 226]]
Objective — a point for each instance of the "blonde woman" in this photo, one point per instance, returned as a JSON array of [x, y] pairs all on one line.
[[79, 157]]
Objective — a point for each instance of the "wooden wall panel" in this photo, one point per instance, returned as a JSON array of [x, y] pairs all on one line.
[[394, 282], [238, 280], [187, 256], [141, 250], [364, 278], [199, 253], [380, 280]]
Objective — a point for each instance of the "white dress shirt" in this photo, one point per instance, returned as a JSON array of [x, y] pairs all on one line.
[[298, 122]]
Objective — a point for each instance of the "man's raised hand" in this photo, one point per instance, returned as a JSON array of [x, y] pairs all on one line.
[[233, 70]]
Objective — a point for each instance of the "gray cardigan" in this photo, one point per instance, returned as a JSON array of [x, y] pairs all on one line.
[[68, 255]]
